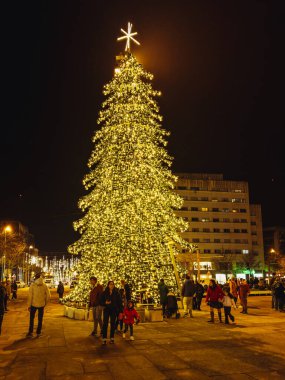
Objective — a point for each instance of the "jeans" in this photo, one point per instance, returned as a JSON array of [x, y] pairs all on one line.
[[131, 329], [227, 310], [112, 315], [198, 301], [163, 304], [40, 318], [187, 304], [97, 317]]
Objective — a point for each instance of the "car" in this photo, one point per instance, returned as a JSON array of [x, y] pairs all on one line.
[[20, 284], [49, 283]]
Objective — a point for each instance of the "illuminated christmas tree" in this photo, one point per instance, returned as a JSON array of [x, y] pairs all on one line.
[[130, 206]]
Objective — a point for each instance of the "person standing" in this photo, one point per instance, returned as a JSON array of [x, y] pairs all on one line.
[[94, 303], [112, 303], [214, 298], [7, 287], [199, 290], [233, 289], [279, 295], [188, 291], [244, 291], [37, 300], [163, 291], [127, 291], [2, 300], [271, 287], [60, 290], [14, 288]]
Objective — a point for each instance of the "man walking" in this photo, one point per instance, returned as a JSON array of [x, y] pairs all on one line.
[[38, 298], [94, 303], [188, 291]]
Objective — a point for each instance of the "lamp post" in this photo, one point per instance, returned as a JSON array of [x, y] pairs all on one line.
[[6, 229], [271, 253], [28, 264]]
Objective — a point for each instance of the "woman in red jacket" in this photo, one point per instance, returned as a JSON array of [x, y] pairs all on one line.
[[214, 299]]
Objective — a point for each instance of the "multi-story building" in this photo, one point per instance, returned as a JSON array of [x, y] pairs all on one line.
[[225, 226]]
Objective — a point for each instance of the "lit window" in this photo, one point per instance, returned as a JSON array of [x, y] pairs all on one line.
[[234, 210], [204, 209], [205, 219], [245, 251]]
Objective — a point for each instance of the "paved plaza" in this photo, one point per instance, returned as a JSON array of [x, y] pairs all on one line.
[[254, 348]]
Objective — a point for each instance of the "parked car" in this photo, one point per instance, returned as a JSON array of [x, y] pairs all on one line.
[[21, 284], [49, 283]]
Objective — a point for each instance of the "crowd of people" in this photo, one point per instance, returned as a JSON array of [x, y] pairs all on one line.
[[114, 308]]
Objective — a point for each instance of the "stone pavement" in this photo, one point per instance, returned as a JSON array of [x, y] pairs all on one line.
[[254, 348]]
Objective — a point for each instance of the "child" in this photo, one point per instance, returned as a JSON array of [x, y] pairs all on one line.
[[228, 302], [130, 314]]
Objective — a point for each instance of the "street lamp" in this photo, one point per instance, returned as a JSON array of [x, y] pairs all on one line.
[[272, 252], [6, 229]]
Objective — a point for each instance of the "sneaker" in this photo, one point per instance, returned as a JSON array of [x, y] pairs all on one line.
[[185, 315], [29, 335], [112, 341], [93, 334], [132, 338], [104, 342], [124, 335], [39, 335]]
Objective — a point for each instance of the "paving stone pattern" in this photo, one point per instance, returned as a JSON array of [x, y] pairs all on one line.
[[253, 348]]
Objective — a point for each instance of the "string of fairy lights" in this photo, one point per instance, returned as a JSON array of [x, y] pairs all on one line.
[[129, 209]]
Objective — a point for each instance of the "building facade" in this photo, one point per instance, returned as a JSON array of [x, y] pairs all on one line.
[[274, 248], [223, 224]]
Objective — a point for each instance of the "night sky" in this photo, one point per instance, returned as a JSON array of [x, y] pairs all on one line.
[[219, 65]]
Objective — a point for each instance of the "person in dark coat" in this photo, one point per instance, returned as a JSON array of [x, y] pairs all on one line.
[[2, 307], [94, 304], [127, 291], [163, 291], [171, 305], [279, 295], [60, 290], [199, 291], [112, 303], [188, 291], [14, 288]]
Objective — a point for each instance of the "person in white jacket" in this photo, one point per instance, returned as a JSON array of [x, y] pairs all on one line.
[[38, 298], [228, 302]]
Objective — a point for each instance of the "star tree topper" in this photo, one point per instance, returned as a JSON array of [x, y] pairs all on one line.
[[128, 36]]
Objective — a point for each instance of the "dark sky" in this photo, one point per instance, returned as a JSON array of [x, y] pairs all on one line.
[[219, 65]]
